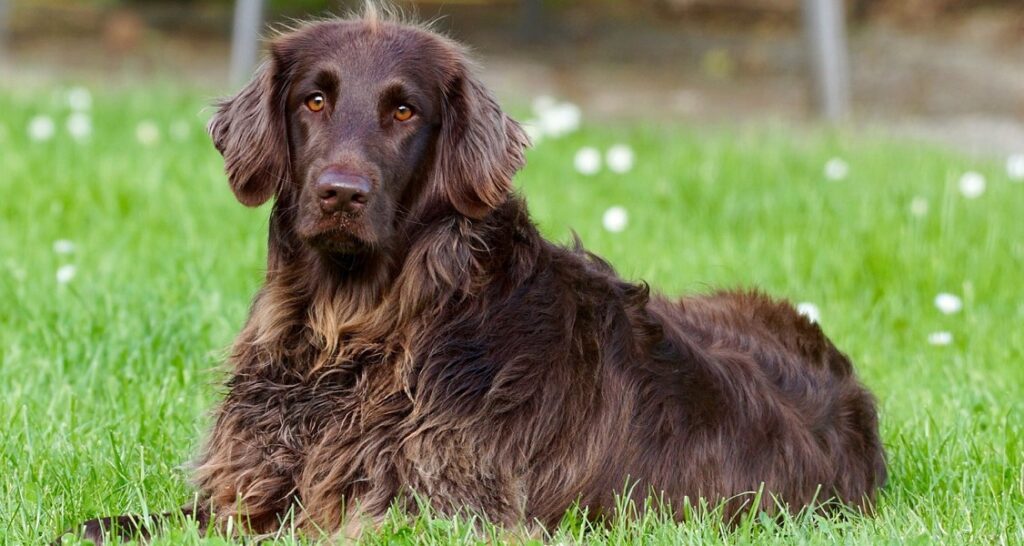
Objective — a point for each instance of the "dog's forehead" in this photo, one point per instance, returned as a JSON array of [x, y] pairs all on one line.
[[376, 49]]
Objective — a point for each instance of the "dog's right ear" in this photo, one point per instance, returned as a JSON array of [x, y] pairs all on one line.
[[249, 131]]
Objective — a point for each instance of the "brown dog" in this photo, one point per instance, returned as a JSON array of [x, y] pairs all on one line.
[[417, 336]]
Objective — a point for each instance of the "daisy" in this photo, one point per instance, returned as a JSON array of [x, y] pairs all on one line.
[[948, 303], [63, 246], [587, 161], [543, 103], [65, 273], [972, 185], [533, 130], [919, 206], [836, 169], [79, 125], [79, 99], [560, 119], [147, 133], [940, 338], [615, 219], [1015, 167], [41, 128], [620, 158], [809, 310]]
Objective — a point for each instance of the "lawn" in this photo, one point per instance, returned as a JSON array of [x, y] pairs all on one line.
[[126, 268]]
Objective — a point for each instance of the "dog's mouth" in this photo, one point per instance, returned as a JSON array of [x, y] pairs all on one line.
[[337, 234]]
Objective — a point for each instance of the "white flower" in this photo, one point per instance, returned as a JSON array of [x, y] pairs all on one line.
[[63, 246], [972, 184], [560, 119], [809, 310], [41, 128], [147, 133], [620, 158], [836, 169], [543, 103], [79, 125], [65, 273], [533, 130], [587, 161], [79, 99], [919, 206], [615, 219], [553, 118], [179, 130], [1015, 167], [940, 338], [948, 303]]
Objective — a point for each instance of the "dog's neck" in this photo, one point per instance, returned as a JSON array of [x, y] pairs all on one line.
[[357, 302]]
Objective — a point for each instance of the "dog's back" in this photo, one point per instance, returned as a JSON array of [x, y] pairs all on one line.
[[713, 397]]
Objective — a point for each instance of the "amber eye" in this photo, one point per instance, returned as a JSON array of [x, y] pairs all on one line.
[[403, 113], [316, 102]]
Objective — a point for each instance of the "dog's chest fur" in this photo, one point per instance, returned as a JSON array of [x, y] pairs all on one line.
[[339, 439]]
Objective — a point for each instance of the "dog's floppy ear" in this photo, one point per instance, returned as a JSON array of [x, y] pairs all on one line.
[[249, 131], [479, 148]]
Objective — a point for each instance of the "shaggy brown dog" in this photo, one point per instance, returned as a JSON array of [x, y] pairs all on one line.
[[417, 336]]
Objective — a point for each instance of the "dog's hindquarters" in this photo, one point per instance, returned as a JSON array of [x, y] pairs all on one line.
[[743, 395]]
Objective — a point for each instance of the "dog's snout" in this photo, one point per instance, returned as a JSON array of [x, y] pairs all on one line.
[[342, 192]]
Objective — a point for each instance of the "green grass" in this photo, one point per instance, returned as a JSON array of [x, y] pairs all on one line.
[[105, 382]]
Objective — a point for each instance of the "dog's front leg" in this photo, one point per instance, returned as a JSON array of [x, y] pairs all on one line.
[[130, 526]]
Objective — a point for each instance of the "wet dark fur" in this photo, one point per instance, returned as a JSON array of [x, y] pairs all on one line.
[[467, 360]]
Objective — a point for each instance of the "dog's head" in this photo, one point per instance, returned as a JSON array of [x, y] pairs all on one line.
[[355, 125]]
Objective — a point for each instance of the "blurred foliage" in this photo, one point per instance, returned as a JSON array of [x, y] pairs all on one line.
[[737, 11], [275, 5], [861, 7]]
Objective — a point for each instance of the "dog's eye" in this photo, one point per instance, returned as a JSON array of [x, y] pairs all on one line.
[[403, 113], [316, 102]]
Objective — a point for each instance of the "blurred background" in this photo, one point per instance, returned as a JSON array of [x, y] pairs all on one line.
[[950, 71], [864, 159]]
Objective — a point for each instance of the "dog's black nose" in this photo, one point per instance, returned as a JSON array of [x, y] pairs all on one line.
[[341, 191]]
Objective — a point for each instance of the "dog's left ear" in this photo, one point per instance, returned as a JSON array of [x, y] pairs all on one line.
[[479, 148]]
